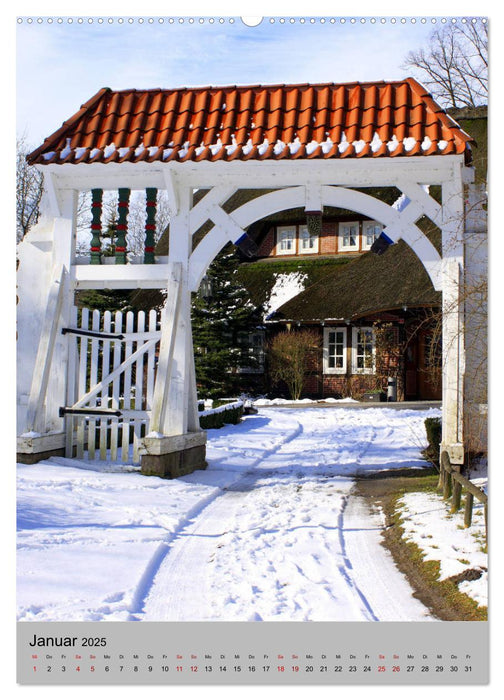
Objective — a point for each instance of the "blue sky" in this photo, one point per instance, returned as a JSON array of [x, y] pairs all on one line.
[[61, 65]]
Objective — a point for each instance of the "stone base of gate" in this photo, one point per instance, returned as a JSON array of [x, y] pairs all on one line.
[[31, 449], [174, 455]]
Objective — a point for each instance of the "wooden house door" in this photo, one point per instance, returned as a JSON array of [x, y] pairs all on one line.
[[411, 371], [429, 366]]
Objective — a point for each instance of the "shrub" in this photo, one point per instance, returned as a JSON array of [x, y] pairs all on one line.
[[433, 431], [217, 418], [291, 355]]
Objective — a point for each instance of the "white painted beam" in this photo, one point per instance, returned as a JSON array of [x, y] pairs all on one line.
[[54, 208], [428, 205], [120, 276], [201, 212], [452, 224], [171, 188], [453, 362], [358, 172], [169, 327], [313, 197], [43, 362]]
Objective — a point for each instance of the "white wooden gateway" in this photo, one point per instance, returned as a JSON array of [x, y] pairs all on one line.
[[311, 145]]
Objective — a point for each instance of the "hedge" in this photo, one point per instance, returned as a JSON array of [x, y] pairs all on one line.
[[223, 415]]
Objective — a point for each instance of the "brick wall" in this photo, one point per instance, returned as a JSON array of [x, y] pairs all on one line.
[[339, 385], [328, 242], [267, 246], [319, 385]]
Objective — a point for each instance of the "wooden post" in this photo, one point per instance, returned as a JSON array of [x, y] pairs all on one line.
[[169, 323], [64, 241], [45, 299], [35, 417], [175, 444], [457, 493], [176, 419], [442, 476], [447, 480], [447, 488], [468, 509], [453, 321], [193, 424]]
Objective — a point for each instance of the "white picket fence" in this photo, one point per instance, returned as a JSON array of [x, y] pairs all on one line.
[[112, 358]]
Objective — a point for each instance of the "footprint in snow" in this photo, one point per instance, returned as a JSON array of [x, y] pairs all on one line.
[[254, 617]]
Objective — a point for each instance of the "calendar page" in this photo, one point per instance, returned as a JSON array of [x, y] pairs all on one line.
[[251, 350]]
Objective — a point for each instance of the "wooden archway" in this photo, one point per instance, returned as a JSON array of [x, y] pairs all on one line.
[[322, 156], [397, 224]]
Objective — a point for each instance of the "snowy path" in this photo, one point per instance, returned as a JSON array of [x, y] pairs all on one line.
[[270, 531], [283, 543]]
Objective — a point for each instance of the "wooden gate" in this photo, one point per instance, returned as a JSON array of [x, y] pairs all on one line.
[[111, 371]]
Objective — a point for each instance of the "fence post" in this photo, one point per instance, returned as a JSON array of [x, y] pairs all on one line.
[[468, 509], [457, 492], [447, 482], [447, 488], [442, 476]]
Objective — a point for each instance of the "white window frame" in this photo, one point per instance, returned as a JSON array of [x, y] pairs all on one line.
[[311, 239], [286, 251], [341, 235], [363, 370], [327, 357], [365, 224]]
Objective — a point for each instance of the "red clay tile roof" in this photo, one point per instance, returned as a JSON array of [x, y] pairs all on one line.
[[258, 122]]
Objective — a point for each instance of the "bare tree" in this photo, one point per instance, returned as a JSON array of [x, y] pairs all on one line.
[[136, 220], [455, 64], [291, 356], [29, 187]]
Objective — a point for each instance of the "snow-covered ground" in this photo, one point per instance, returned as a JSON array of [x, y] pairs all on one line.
[[270, 531], [425, 516]]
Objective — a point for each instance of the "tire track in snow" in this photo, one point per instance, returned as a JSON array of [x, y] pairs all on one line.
[[384, 587], [366, 448], [347, 568], [352, 581], [146, 582], [176, 590]]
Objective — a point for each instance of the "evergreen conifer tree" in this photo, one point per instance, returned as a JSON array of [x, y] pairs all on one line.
[[222, 317]]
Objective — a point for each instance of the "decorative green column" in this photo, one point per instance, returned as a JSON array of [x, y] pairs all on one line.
[[122, 226], [150, 224], [96, 227]]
